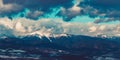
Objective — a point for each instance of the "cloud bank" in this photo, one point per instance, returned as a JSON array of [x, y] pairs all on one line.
[[47, 27]]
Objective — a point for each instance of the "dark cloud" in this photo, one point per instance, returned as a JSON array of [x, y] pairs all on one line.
[[105, 3], [34, 14], [41, 3], [102, 8], [103, 20], [106, 10], [45, 6]]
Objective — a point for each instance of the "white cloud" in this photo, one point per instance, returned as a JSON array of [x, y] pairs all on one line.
[[102, 27], [48, 27], [19, 27], [92, 29], [75, 9], [8, 7]]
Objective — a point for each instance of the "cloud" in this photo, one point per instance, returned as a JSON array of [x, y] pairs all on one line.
[[34, 14], [5, 27], [27, 17], [48, 27], [33, 4], [104, 10], [14, 7], [101, 8], [8, 9], [92, 29], [69, 13], [5, 31]]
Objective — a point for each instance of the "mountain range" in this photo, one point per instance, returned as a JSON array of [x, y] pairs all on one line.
[[64, 46]]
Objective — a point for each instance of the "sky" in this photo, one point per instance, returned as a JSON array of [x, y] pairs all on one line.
[[52, 17]]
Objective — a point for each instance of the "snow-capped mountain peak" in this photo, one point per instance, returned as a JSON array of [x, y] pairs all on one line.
[[48, 35]]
